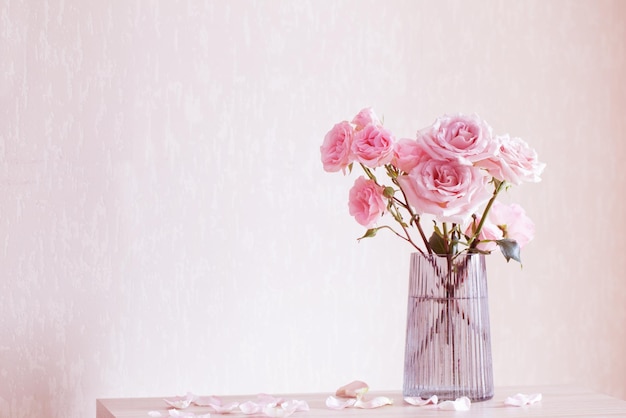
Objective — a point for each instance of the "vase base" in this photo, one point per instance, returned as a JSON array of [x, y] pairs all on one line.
[[448, 394]]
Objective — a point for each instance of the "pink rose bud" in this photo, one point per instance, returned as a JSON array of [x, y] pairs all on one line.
[[365, 117]]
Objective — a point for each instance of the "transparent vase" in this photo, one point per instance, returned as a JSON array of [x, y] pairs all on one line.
[[448, 341]]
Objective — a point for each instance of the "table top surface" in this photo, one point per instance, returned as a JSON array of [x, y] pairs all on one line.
[[557, 401]]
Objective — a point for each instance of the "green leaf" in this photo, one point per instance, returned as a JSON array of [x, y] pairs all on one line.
[[369, 233], [510, 249], [437, 243]]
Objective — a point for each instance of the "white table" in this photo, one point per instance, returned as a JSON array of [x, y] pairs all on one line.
[[558, 401]]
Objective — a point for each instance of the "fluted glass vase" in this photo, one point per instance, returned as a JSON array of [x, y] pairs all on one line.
[[448, 341]]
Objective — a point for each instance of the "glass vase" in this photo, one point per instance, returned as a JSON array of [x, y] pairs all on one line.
[[448, 341]]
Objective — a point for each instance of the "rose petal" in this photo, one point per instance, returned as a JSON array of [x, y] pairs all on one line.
[[418, 401], [336, 403], [250, 408], [275, 411], [352, 389], [295, 405], [181, 402], [225, 409], [376, 402], [522, 399], [216, 403], [285, 409], [207, 401], [155, 414], [460, 404]]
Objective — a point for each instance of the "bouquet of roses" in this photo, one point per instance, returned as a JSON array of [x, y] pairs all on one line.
[[453, 171]]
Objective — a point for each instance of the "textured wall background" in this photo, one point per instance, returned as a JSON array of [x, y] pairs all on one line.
[[166, 226]]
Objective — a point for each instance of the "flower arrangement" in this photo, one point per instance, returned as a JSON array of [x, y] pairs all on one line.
[[453, 171]]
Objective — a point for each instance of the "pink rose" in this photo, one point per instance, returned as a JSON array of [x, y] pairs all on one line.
[[373, 146], [466, 138], [367, 202], [513, 221], [504, 221], [365, 117], [447, 189], [513, 161], [407, 154], [336, 148]]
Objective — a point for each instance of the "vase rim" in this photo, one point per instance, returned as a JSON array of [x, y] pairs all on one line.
[[466, 254]]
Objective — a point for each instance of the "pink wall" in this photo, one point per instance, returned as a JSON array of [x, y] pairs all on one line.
[[166, 226]]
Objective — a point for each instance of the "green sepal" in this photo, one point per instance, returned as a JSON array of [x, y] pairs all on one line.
[[388, 192], [369, 233]]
